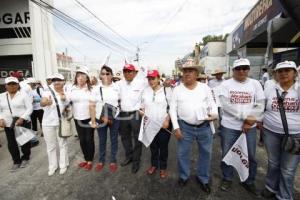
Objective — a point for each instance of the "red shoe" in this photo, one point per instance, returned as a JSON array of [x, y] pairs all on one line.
[[99, 167], [82, 164], [113, 167], [88, 166], [151, 170], [163, 174]]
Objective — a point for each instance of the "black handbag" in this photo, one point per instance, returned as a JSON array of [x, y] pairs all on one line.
[[108, 111], [289, 144]]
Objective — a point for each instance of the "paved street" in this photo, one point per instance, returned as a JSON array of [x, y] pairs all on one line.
[[33, 182]]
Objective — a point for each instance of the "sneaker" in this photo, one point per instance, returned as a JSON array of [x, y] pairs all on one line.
[[99, 167], [14, 168], [51, 172], [63, 170], [204, 186], [24, 163], [225, 185], [163, 174], [88, 166], [151, 170], [267, 194], [250, 188], [82, 164], [113, 167]]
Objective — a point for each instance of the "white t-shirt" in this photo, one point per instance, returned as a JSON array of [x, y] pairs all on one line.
[[214, 83], [131, 94], [189, 105], [243, 97], [50, 117], [111, 95], [80, 100], [265, 77], [272, 120], [155, 103], [37, 99], [269, 83]]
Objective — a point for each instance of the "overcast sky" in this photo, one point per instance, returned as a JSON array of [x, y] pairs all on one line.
[[163, 29]]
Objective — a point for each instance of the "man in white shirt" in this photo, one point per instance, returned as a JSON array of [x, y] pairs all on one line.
[[242, 102], [131, 89], [15, 110], [192, 107], [218, 74], [265, 77]]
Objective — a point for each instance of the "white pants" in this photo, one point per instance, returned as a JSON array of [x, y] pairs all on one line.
[[52, 138]]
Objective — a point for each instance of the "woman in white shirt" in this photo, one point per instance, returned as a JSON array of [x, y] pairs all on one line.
[[108, 93], [15, 110], [80, 96], [282, 165], [155, 103], [50, 125]]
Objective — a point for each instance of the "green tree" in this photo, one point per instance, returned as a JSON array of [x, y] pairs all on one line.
[[213, 38]]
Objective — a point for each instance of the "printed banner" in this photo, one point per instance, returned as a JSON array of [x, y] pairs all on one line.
[[237, 157]]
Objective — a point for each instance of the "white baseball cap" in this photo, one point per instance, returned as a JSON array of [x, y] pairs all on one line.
[[241, 62], [58, 76], [49, 77], [84, 70], [11, 79], [31, 80], [286, 64]]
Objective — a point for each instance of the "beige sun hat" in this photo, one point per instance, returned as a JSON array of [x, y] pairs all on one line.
[[190, 64], [218, 71]]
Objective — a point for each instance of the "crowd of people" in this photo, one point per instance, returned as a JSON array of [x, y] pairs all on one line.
[[187, 109]]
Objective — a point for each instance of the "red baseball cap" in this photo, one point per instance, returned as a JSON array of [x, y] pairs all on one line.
[[130, 67], [153, 73]]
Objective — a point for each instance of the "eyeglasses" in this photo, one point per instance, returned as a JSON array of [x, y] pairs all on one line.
[[105, 74], [241, 68], [153, 99]]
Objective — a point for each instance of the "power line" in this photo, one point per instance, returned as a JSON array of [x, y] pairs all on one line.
[[102, 22], [81, 27], [170, 20]]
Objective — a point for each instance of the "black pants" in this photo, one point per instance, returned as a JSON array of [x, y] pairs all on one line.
[[159, 149], [86, 138], [130, 124], [36, 115], [13, 146]]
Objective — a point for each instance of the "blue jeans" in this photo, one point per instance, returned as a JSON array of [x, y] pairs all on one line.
[[204, 138], [102, 133], [228, 138], [282, 166]]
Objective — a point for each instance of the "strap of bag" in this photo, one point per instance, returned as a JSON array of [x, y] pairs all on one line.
[[168, 106], [8, 104], [56, 102], [101, 93], [280, 100]]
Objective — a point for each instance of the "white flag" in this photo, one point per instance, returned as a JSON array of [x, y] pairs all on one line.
[[237, 157], [149, 129]]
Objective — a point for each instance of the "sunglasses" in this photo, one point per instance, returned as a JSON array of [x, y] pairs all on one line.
[[105, 74], [244, 68], [127, 71]]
